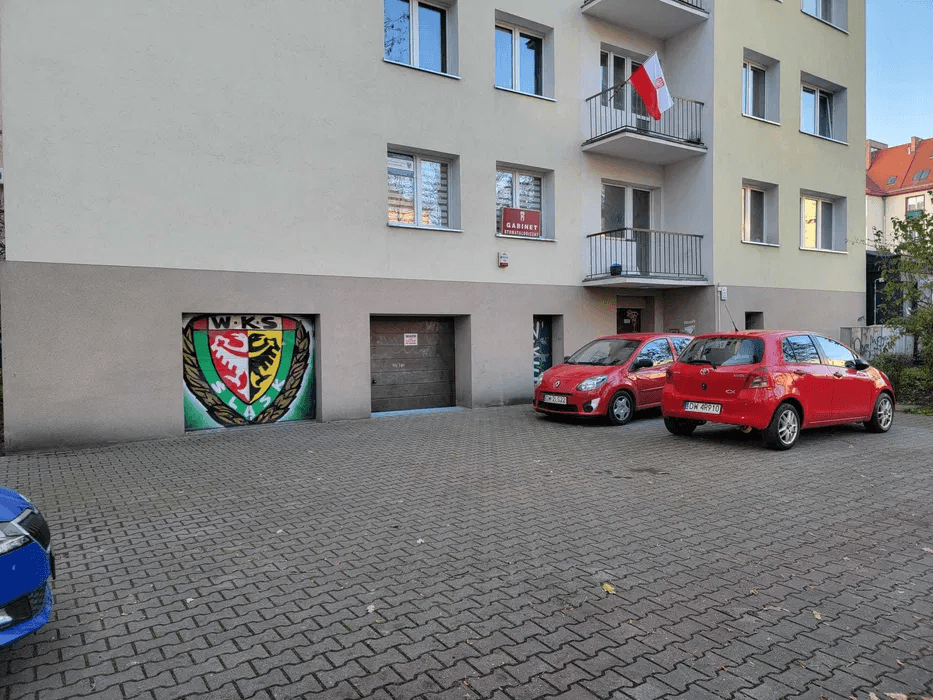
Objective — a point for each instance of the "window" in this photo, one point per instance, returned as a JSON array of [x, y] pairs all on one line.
[[625, 208], [680, 344], [914, 206], [799, 349], [834, 12], [823, 108], [892, 179], [419, 190], [615, 70], [416, 34], [519, 190], [822, 223], [519, 63], [753, 215], [759, 212], [836, 354], [658, 352], [753, 90], [921, 175]]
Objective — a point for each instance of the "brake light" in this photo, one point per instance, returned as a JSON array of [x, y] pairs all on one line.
[[759, 380]]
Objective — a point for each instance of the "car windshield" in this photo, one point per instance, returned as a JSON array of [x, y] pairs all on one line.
[[724, 351], [607, 351]]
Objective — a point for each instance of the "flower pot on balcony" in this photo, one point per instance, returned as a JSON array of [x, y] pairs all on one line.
[[615, 269]]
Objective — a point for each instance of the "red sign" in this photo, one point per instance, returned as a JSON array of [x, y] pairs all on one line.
[[521, 222]]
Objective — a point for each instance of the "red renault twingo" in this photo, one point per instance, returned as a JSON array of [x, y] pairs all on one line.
[[778, 382], [610, 377]]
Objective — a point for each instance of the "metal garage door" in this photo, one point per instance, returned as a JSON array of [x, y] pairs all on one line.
[[412, 363]]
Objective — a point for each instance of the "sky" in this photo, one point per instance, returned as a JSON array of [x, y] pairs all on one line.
[[900, 70]]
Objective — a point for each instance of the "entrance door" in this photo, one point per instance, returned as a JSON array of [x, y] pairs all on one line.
[[641, 223], [411, 363], [628, 320], [543, 353]]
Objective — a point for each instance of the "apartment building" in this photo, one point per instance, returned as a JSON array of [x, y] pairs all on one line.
[[222, 214]]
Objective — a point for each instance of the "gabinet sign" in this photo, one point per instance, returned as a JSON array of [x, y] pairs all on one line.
[[521, 222]]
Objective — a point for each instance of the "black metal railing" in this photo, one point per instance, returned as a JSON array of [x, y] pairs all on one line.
[[633, 252], [699, 4], [619, 108]]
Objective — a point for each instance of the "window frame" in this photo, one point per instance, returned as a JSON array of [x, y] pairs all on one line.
[[517, 31], [837, 224], [418, 158], [748, 70], [815, 126], [916, 210], [516, 172], [414, 52], [746, 214]]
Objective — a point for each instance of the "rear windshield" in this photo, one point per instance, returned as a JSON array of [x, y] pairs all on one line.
[[604, 352], [724, 351]]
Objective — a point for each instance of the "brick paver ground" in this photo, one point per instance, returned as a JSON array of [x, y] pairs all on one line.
[[468, 554]]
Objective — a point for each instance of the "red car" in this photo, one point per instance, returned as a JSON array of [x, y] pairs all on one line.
[[611, 377], [778, 382]]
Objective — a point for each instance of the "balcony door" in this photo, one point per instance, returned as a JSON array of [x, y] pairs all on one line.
[[628, 109]]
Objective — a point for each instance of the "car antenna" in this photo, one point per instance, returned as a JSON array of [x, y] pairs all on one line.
[[730, 316]]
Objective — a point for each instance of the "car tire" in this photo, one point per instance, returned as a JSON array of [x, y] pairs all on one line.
[[680, 426], [883, 415], [621, 408], [784, 429]]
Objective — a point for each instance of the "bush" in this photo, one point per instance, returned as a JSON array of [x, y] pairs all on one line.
[[893, 365], [916, 386]]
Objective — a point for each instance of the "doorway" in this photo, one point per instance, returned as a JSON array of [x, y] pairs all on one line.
[[628, 320]]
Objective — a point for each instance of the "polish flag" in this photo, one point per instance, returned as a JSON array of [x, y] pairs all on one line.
[[650, 86]]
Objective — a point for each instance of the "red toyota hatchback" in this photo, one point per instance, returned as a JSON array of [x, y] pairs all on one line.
[[611, 377], [778, 382]]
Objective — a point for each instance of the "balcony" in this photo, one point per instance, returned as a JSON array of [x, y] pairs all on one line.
[[658, 18], [639, 257], [620, 126]]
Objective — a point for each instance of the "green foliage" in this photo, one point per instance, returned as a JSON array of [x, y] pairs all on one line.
[[893, 364], [916, 386]]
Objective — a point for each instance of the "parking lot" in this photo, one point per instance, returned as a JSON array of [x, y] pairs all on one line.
[[485, 553]]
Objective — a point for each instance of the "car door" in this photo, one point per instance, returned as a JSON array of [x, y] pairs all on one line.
[[853, 389], [808, 378], [649, 381]]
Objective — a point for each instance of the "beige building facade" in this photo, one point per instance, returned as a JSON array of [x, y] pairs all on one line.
[[223, 214]]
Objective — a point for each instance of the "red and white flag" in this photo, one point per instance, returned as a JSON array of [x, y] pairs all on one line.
[[650, 86]]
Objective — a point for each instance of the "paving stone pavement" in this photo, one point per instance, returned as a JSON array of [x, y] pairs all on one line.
[[489, 553]]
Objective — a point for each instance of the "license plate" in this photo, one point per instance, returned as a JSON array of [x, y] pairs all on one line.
[[551, 398], [702, 407]]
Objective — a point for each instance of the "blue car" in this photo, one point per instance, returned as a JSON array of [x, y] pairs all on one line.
[[26, 567]]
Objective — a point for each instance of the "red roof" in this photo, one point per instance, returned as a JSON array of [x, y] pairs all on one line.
[[893, 169]]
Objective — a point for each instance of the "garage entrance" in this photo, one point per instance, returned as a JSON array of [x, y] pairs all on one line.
[[411, 362]]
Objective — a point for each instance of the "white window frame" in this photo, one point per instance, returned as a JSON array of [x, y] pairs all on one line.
[[837, 11], [516, 172], [517, 32], [838, 224], [747, 214], [748, 70], [814, 128], [414, 49], [418, 158], [914, 200]]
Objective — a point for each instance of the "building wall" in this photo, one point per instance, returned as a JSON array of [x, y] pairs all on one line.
[[780, 153]]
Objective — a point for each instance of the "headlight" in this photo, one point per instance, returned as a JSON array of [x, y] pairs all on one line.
[[539, 379], [592, 383], [11, 537]]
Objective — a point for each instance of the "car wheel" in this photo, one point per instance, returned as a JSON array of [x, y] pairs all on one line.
[[680, 426], [784, 429], [621, 408], [883, 415]]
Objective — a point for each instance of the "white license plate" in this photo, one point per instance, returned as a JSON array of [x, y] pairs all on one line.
[[551, 398], [702, 407]]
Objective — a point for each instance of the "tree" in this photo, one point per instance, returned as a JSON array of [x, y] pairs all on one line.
[[906, 264]]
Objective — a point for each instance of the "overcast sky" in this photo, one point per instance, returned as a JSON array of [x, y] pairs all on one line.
[[900, 70]]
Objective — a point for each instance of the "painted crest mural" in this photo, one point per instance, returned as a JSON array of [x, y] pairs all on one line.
[[243, 369]]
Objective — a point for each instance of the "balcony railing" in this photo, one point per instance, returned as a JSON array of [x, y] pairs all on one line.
[[699, 4], [633, 252], [620, 109]]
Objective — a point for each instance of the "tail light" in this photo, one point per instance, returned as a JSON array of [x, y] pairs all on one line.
[[759, 380]]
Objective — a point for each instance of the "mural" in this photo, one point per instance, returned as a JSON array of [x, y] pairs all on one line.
[[242, 369]]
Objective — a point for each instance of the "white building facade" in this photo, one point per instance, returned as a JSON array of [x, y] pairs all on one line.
[[220, 214]]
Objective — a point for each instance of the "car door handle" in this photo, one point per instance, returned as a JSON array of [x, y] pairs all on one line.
[[837, 374], [799, 371]]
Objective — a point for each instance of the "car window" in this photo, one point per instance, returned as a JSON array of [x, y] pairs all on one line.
[[604, 351], [800, 349], [836, 354], [719, 351], [658, 351], [680, 344]]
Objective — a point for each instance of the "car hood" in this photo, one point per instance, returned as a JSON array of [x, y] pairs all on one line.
[[11, 504], [571, 375]]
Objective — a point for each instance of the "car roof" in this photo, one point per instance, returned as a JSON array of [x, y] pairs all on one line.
[[642, 336], [756, 333]]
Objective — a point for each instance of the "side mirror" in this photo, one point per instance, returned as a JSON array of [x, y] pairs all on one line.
[[860, 364], [642, 362]]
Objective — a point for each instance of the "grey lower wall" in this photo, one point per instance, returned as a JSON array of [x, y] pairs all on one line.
[[92, 354]]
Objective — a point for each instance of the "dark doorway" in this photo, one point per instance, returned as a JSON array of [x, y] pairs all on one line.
[[628, 320]]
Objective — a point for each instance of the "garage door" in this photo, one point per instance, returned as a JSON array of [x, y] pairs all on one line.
[[412, 363]]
